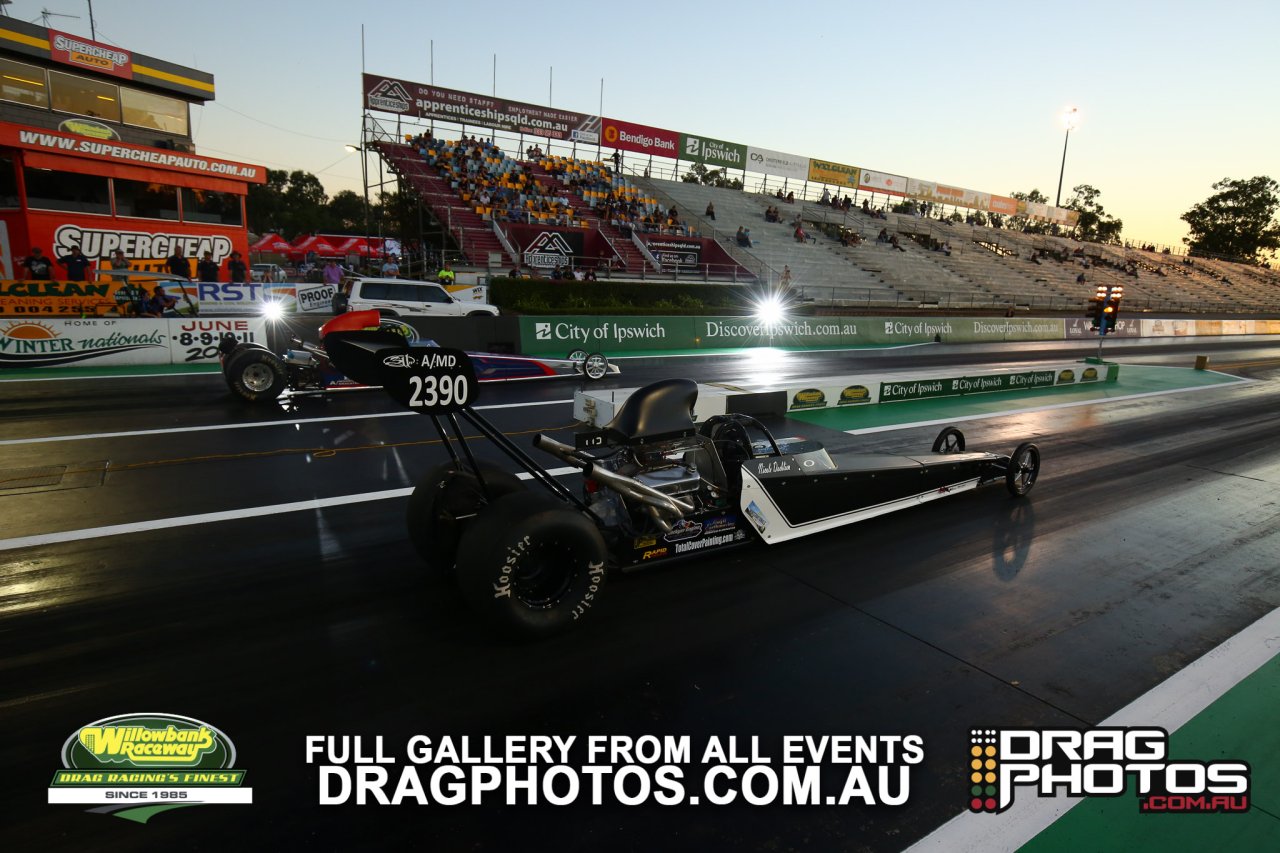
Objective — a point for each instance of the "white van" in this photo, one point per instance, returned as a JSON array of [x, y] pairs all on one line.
[[398, 297]]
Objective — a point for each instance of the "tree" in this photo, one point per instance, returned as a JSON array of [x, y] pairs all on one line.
[[305, 203], [700, 174], [1095, 225], [346, 212], [1239, 221], [1022, 222], [265, 202]]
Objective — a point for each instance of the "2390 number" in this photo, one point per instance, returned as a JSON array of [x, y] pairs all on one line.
[[432, 391]]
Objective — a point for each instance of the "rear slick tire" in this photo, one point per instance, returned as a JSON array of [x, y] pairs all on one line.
[[256, 375], [531, 565]]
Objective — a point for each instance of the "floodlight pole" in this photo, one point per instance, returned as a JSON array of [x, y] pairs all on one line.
[[1070, 121]]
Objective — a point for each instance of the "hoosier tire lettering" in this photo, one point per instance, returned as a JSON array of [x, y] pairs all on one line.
[[531, 565]]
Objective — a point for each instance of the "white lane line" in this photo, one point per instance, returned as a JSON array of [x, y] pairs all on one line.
[[252, 425], [1045, 408], [1169, 705], [113, 376], [225, 515]]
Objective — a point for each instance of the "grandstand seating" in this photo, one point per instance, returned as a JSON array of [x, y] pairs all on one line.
[[473, 234], [990, 267], [986, 267], [580, 201]]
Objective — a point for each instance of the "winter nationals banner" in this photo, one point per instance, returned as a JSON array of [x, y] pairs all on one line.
[[388, 94]]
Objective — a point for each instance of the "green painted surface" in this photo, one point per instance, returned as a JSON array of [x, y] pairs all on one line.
[[118, 370], [1134, 379], [1240, 725]]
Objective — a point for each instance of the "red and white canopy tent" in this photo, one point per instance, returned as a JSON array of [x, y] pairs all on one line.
[[271, 242], [365, 246], [313, 243]]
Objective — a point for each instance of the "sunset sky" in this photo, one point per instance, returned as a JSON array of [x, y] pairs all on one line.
[[1173, 96]]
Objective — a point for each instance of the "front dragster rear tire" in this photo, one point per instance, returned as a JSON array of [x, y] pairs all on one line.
[[1024, 468], [256, 375], [231, 355], [532, 565], [444, 503]]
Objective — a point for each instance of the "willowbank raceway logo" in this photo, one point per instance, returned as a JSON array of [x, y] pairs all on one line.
[[1101, 762], [138, 765]]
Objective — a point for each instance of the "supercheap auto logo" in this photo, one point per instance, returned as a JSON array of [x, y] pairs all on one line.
[[1101, 762], [137, 765]]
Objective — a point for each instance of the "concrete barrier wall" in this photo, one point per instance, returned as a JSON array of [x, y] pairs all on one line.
[[615, 335], [597, 407]]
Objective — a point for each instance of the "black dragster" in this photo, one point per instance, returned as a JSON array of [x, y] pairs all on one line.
[[656, 486]]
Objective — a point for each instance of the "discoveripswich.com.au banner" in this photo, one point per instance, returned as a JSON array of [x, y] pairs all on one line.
[[559, 335]]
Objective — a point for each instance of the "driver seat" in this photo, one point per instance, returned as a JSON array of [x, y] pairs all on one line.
[[662, 410]]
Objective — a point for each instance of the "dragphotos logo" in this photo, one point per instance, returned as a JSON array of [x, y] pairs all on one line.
[[1100, 762]]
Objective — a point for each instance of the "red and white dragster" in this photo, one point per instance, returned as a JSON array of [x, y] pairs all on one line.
[[256, 373]]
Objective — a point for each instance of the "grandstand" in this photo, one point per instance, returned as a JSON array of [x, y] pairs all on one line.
[[494, 206], [494, 203], [992, 268]]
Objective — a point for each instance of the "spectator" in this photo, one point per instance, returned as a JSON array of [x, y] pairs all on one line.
[[390, 267], [332, 273], [893, 241], [791, 198], [786, 278], [743, 237], [207, 269], [556, 274], [1080, 279], [118, 261], [159, 303], [826, 196], [883, 236], [178, 265], [779, 196], [36, 266], [236, 269], [515, 272], [946, 249], [710, 212], [801, 236], [866, 206], [77, 264]]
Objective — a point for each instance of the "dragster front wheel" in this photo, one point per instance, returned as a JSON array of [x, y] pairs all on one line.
[[1024, 468]]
